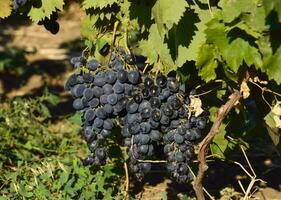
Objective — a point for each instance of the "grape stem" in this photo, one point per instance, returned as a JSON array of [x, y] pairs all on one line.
[[127, 180], [204, 145]]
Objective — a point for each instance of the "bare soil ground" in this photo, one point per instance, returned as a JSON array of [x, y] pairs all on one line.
[[52, 54]]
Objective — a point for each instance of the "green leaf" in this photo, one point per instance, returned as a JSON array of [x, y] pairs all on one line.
[[157, 51], [231, 9], [273, 66], [206, 62], [87, 29], [239, 50], [270, 5], [220, 143], [167, 13], [77, 118], [256, 19], [48, 6], [97, 3], [216, 33], [189, 35], [6, 8]]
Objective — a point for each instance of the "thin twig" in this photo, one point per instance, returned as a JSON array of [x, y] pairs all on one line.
[[249, 164], [207, 92], [152, 161], [265, 88], [127, 181], [204, 145]]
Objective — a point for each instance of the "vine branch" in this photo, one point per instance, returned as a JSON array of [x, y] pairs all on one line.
[[204, 145]]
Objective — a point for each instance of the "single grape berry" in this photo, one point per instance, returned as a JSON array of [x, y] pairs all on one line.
[[161, 81]]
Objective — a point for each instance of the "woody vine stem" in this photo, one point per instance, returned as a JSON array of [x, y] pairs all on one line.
[[204, 145]]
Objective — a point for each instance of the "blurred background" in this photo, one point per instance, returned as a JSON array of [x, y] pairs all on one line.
[[40, 140]]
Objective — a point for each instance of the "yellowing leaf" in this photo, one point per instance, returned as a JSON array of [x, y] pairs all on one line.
[[97, 3], [245, 90], [277, 121], [5, 8], [277, 108], [273, 117], [195, 106], [48, 6]]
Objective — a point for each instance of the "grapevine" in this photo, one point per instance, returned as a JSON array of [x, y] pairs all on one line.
[[163, 83]]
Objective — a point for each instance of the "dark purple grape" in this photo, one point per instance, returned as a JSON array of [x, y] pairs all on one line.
[[173, 85], [132, 106], [122, 76], [98, 91], [94, 103], [156, 115], [98, 123], [100, 112], [89, 115], [148, 82], [93, 64], [155, 102], [112, 99], [161, 81], [108, 124], [78, 104], [137, 98], [129, 59], [118, 88], [133, 77]]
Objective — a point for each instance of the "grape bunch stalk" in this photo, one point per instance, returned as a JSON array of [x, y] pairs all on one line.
[[151, 110]]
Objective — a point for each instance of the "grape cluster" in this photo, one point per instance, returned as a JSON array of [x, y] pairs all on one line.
[[150, 111], [51, 23], [19, 3]]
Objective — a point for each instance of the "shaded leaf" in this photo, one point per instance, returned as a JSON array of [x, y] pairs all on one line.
[[166, 14], [48, 6]]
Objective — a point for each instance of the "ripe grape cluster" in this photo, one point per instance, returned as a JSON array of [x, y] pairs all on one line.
[[151, 110], [19, 3], [50, 23]]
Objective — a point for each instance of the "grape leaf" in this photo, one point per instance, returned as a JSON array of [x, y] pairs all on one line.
[[239, 50], [97, 3], [273, 66], [256, 19], [216, 33], [220, 143], [157, 51], [48, 6], [206, 62], [166, 13], [190, 35], [87, 29], [6, 8], [232, 9], [270, 5]]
